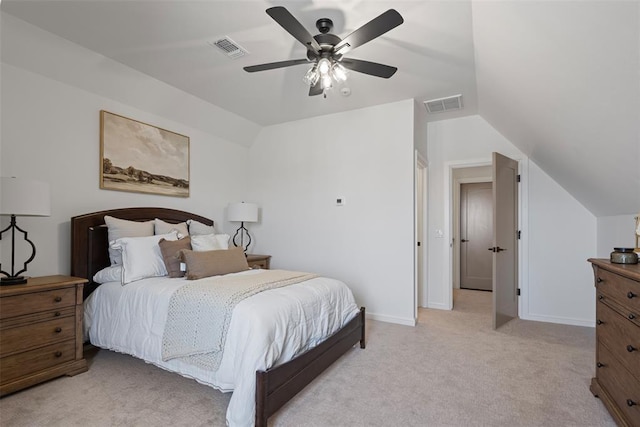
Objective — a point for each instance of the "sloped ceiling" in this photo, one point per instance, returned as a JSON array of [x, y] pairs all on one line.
[[561, 80]]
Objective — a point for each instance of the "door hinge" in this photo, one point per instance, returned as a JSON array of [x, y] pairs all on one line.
[[518, 291], [519, 234], [518, 178]]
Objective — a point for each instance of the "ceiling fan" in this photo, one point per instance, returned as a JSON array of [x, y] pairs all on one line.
[[325, 50]]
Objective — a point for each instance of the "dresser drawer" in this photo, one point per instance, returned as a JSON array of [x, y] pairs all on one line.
[[29, 303], [622, 290], [31, 362], [623, 387], [36, 334], [620, 335]]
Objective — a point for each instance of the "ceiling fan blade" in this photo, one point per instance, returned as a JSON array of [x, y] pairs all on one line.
[[371, 68], [287, 21], [274, 65], [369, 31], [316, 89]]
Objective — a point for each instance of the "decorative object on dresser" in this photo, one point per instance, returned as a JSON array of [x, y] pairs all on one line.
[[242, 212], [623, 256], [40, 331], [259, 261], [22, 197], [617, 380]]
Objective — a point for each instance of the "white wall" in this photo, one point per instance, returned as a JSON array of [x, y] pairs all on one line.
[[615, 232], [562, 236], [50, 132], [559, 234], [298, 169]]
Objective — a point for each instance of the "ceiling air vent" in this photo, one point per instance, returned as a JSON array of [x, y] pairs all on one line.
[[441, 105], [230, 48]]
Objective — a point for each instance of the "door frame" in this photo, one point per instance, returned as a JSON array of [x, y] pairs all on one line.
[[420, 233], [523, 221], [457, 183]]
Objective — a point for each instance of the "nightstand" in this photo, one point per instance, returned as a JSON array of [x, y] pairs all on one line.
[[40, 331], [259, 261]]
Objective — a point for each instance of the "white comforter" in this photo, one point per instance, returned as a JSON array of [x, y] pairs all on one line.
[[266, 330]]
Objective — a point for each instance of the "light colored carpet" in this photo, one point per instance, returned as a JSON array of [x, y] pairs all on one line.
[[452, 369]]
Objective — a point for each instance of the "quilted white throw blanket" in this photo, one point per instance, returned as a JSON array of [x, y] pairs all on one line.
[[200, 312]]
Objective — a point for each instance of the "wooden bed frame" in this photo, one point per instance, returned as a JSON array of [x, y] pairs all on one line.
[[275, 386]]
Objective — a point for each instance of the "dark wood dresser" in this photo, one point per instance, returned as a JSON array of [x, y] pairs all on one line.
[[617, 380], [40, 331]]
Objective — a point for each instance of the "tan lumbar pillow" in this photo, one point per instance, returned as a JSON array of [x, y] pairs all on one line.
[[214, 263]]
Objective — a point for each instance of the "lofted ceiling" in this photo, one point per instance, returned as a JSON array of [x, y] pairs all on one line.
[[559, 79]]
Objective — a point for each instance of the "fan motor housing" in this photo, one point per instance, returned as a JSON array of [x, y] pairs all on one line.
[[324, 25]]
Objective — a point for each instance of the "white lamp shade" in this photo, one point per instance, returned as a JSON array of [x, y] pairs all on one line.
[[24, 197], [242, 212]]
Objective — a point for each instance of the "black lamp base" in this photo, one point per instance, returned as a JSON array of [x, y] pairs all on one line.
[[13, 280]]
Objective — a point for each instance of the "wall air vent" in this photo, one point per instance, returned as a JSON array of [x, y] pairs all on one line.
[[230, 48], [441, 105]]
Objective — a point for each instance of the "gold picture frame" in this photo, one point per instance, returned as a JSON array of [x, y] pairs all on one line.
[[142, 158]]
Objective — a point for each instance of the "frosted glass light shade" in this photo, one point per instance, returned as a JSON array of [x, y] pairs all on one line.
[[242, 212], [24, 197]]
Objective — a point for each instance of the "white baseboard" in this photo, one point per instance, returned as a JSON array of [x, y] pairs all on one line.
[[391, 319], [560, 320], [438, 306]]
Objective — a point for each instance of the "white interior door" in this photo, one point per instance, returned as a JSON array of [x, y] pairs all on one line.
[[505, 239]]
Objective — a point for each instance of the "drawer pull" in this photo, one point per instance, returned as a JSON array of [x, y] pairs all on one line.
[[599, 322], [57, 314], [631, 348], [631, 295], [58, 330], [599, 280], [58, 354], [600, 365], [631, 402], [631, 316], [57, 299]]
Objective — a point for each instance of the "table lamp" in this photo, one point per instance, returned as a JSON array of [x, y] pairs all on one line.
[[21, 197], [242, 212]]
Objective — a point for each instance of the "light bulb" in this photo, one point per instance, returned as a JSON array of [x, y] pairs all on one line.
[[326, 81], [312, 77], [324, 65], [339, 72]]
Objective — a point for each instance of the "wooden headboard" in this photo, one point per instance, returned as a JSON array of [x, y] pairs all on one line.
[[90, 244]]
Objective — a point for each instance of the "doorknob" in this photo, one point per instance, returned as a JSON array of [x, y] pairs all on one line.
[[463, 240], [497, 249]]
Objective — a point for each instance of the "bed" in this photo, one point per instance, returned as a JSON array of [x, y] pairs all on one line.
[[259, 392]]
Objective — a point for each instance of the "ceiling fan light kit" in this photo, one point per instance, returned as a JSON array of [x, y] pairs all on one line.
[[325, 50]]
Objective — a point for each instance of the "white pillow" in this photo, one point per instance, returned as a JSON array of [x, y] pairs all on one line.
[[113, 273], [118, 228], [209, 242], [163, 227], [141, 256], [198, 228]]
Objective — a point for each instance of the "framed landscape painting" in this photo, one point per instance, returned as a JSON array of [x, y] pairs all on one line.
[[142, 158]]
